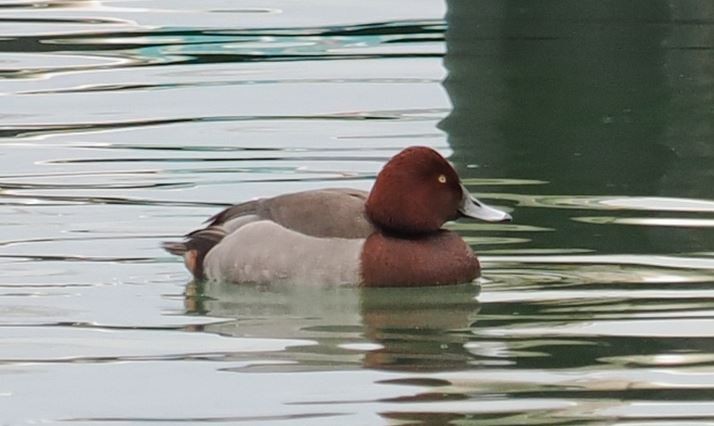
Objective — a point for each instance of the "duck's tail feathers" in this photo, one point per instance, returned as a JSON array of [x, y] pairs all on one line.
[[175, 247], [195, 247]]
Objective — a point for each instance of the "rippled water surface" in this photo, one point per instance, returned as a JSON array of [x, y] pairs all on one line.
[[125, 123]]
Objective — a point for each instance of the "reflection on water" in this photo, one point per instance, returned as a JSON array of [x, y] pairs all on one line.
[[371, 328], [124, 123]]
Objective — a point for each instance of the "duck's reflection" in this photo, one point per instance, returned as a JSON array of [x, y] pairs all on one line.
[[400, 329]]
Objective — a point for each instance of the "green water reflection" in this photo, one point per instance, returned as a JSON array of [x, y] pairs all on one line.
[[610, 105], [595, 98]]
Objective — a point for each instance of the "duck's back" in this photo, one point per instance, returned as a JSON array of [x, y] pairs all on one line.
[[325, 213]]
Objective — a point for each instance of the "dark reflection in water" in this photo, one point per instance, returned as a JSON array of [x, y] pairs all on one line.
[[597, 97], [568, 92]]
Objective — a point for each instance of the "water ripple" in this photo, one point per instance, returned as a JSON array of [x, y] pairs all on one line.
[[163, 46], [43, 130], [624, 203]]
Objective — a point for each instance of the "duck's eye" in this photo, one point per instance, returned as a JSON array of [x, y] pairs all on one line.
[[441, 179]]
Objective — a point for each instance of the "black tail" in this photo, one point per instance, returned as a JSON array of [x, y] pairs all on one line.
[[197, 244], [174, 247], [200, 242]]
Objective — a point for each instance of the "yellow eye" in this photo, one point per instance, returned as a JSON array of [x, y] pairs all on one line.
[[442, 179]]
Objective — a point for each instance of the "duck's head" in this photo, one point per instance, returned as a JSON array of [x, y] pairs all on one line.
[[417, 191]]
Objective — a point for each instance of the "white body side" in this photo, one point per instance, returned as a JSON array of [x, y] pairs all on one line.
[[265, 252]]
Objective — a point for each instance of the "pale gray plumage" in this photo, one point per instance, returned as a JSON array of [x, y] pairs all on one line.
[[280, 254]]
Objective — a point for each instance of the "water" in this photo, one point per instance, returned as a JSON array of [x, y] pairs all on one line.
[[125, 123]]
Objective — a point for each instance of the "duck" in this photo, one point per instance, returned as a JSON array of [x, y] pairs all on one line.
[[391, 236]]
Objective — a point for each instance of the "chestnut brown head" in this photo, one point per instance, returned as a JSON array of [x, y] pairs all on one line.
[[417, 191]]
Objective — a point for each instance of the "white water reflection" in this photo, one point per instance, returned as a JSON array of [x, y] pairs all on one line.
[[68, 344], [681, 328], [652, 204], [648, 221], [684, 262]]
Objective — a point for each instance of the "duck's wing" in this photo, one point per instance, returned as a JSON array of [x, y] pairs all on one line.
[[324, 213], [336, 213]]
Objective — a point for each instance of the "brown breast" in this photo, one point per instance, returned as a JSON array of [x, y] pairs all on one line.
[[440, 258]]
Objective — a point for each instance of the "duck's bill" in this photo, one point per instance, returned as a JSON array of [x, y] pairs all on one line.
[[473, 208]]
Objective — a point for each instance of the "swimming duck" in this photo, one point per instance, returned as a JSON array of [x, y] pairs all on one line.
[[390, 236]]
